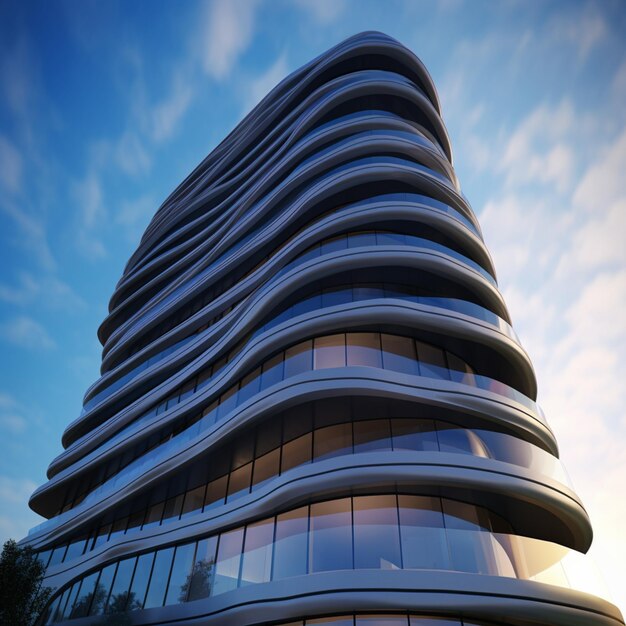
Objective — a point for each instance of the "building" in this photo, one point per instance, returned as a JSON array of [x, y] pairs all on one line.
[[313, 408]]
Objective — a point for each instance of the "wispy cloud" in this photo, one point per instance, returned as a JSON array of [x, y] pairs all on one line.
[[10, 166], [134, 215], [25, 332], [323, 11], [260, 86], [90, 214], [47, 290], [166, 115], [228, 26], [583, 30]]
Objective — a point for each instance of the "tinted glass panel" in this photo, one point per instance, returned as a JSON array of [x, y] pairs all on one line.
[[414, 434], [372, 435], [297, 452], [85, 596], [181, 574], [329, 352], [331, 536], [257, 558], [102, 590], [363, 349], [298, 359], [376, 536], [160, 576], [140, 581], [290, 547], [228, 559], [399, 354], [119, 592], [201, 580], [332, 441]]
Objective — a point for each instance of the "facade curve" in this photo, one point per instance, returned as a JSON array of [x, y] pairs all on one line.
[[313, 408]]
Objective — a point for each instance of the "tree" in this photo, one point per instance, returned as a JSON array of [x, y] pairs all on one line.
[[22, 594], [198, 583]]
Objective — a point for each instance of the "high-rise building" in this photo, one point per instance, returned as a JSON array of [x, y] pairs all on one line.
[[313, 408]]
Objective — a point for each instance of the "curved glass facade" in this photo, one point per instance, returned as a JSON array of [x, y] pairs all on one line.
[[313, 408]]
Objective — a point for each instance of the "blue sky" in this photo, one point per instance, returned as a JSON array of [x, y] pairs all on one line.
[[106, 106]]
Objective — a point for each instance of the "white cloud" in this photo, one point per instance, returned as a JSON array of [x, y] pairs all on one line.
[[12, 423], [323, 11], [134, 215], [10, 166], [25, 332], [167, 114], [131, 155], [48, 291], [228, 29], [91, 213], [259, 87], [583, 31]]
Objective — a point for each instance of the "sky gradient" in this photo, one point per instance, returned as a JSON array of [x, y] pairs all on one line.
[[105, 107]]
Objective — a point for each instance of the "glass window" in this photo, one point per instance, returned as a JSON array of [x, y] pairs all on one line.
[[228, 401], [140, 581], [329, 351], [250, 385], [435, 621], [459, 440], [194, 500], [181, 574], [312, 303], [69, 603], [361, 239], [159, 578], [336, 295], [399, 354], [268, 437], [363, 349], [299, 359], [239, 483], [464, 516], [334, 244], [201, 580], [265, 468], [460, 371], [290, 545], [414, 434], [272, 371], [216, 492], [345, 620], [296, 452], [173, 507], [59, 552], [376, 536], [102, 590], [85, 596], [228, 559], [118, 528], [432, 361], [390, 239], [367, 292], [154, 515], [372, 435], [121, 584], [381, 620], [75, 549], [257, 555], [332, 441], [421, 529], [330, 546]]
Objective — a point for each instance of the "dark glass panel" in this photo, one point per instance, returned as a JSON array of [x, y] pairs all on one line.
[[173, 507], [336, 295], [272, 371], [118, 528], [75, 549], [333, 245], [432, 361], [216, 492], [154, 515], [464, 516], [332, 441], [372, 435], [376, 535], [361, 239], [159, 578], [119, 592], [59, 552], [399, 354], [265, 468], [296, 452], [414, 434], [290, 546], [140, 581], [250, 385], [460, 371], [85, 596], [257, 555], [194, 500], [201, 580], [363, 349], [423, 537], [331, 536], [239, 482], [243, 450], [390, 239], [381, 620], [67, 602], [181, 574], [344, 620], [228, 559], [435, 621], [103, 589], [299, 359], [329, 352], [460, 440], [268, 437]]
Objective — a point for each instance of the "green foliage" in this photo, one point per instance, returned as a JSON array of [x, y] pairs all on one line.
[[22, 595]]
